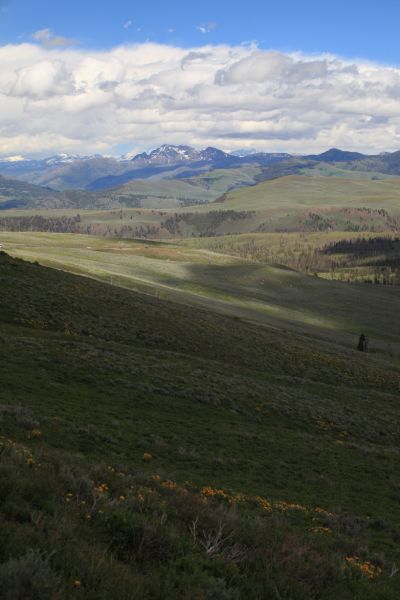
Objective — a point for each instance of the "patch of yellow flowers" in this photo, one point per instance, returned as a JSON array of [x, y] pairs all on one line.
[[366, 567]]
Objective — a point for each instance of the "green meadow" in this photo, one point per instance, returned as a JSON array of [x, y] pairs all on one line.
[[301, 191], [184, 413], [161, 449], [269, 295]]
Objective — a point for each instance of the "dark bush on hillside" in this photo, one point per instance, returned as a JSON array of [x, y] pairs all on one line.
[[29, 577]]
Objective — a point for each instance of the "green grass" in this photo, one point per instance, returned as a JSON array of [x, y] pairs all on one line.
[[187, 421], [315, 202], [230, 285], [155, 192], [170, 193], [335, 170], [108, 374], [303, 191], [312, 253]]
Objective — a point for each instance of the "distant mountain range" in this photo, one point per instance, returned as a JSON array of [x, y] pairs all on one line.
[[170, 176], [64, 172]]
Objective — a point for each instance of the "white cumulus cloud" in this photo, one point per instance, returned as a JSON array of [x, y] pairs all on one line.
[[55, 98]]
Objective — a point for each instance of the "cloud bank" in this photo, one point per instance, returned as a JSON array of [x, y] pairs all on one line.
[[136, 97]]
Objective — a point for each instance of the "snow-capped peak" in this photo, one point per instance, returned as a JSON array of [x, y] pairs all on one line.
[[167, 150], [167, 154], [64, 158]]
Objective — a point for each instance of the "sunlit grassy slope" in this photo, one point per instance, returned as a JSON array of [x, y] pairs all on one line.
[[188, 422], [302, 191], [154, 192], [167, 193], [152, 449], [267, 295], [291, 203], [318, 253]]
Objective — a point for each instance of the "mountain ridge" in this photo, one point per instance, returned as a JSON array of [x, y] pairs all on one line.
[[96, 172], [70, 174]]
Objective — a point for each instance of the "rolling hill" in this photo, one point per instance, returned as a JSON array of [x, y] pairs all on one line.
[[162, 450], [387, 162], [336, 155], [302, 191], [175, 176], [97, 173], [183, 423], [15, 194], [149, 193], [229, 201], [279, 298]]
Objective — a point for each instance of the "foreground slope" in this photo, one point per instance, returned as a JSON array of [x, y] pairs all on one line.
[[157, 450]]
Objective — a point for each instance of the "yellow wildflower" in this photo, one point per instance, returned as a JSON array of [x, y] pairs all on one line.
[[321, 529], [35, 433], [366, 567], [169, 485], [101, 488]]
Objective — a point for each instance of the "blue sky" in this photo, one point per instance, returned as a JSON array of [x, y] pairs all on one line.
[[350, 28]]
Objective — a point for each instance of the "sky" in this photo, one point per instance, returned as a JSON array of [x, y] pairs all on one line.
[[119, 77]]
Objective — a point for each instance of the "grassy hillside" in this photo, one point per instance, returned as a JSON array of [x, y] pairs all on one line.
[[385, 163], [344, 255], [297, 182], [265, 294], [288, 204], [179, 453], [151, 193], [71, 175], [303, 191], [14, 193], [168, 192]]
